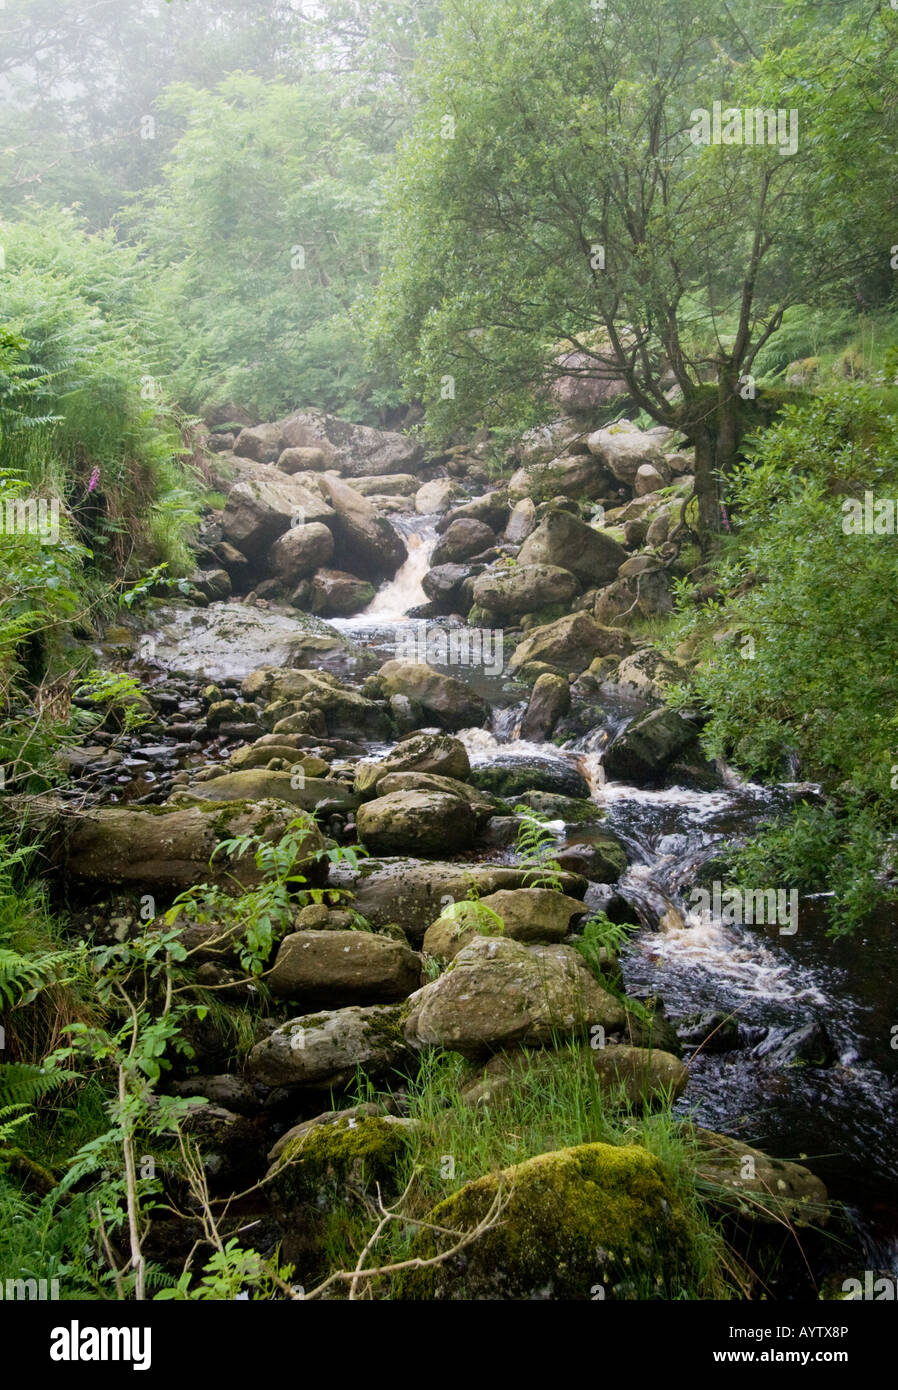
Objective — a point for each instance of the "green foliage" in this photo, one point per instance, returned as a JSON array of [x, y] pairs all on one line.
[[533, 848], [797, 669], [599, 939], [119, 695]]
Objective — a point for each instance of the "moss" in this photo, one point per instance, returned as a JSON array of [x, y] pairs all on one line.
[[315, 1168], [593, 1215]]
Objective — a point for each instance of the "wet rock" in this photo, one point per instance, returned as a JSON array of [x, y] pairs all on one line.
[[452, 702], [561, 539], [365, 543], [550, 699], [641, 1075], [335, 594], [333, 969], [424, 752], [491, 509], [447, 586], [710, 1032], [464, 538], [500, 993], [808, 1045], [327, 1049], [346, 713], [772, 1189], [299, 552], [599, 857], [508, 775], [417, 822], [645, 748]]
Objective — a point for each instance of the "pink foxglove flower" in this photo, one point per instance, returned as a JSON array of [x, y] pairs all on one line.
[[93, 480]]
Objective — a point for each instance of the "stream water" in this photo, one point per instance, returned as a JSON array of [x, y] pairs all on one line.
[[840, 1119]]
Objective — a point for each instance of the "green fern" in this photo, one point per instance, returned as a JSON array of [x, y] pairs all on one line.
[[22, 978], [22, 1083], [533, 849]]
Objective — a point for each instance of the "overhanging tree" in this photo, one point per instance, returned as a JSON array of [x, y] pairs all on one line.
[[553, 194]]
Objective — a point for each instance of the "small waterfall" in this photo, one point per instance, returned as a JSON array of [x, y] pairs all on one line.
[[404, 591]]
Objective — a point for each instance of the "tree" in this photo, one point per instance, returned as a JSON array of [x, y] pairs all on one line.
[[555, 194]]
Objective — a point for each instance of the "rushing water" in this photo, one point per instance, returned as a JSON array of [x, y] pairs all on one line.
[[839, 1118]]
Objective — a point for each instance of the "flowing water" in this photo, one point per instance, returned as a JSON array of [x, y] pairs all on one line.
[[841, 1118]]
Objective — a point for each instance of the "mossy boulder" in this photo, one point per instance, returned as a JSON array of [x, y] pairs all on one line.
[[499, 993], [577, 1221], [759, 1188], [331, 969], [640, 1075], [600, 857], [258, 783], [445, 698], [523, 914], [319, 1174], [419, 822], [169, 848], [318, 1051], [414, 892], [569, 644], [440, 754]]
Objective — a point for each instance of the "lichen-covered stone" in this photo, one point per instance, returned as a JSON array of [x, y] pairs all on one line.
[[594, 1217]]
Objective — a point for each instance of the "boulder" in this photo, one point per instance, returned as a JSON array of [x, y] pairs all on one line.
[[417, 822], [298, 552], [522, 522], [509, 592], [623, 449], [250, 784], [464, 538], [515, 774], [650, 477], [336, 594], [598, 856], [303, 461], [550, 699], [646, 674], [579, 476], [570, 643], [452, 702], [645, 748], [346, 713], [643, 594], [522, 914], [640, 1075], [775, 1190], [169, 848], [593, 1217], [501, 993], [364, 543], [483, 805], [491, 509], [434, 497], [262, 506], [390, 485], [327, 1049], [445, 585], [587, 381], [546, 442], [413, 893], [356, 450], [261, 443], [424, 752], [564, 540], [333, 969]]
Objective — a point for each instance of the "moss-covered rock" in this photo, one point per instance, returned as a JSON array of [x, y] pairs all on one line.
[[594, 1217], [640, 1075]]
